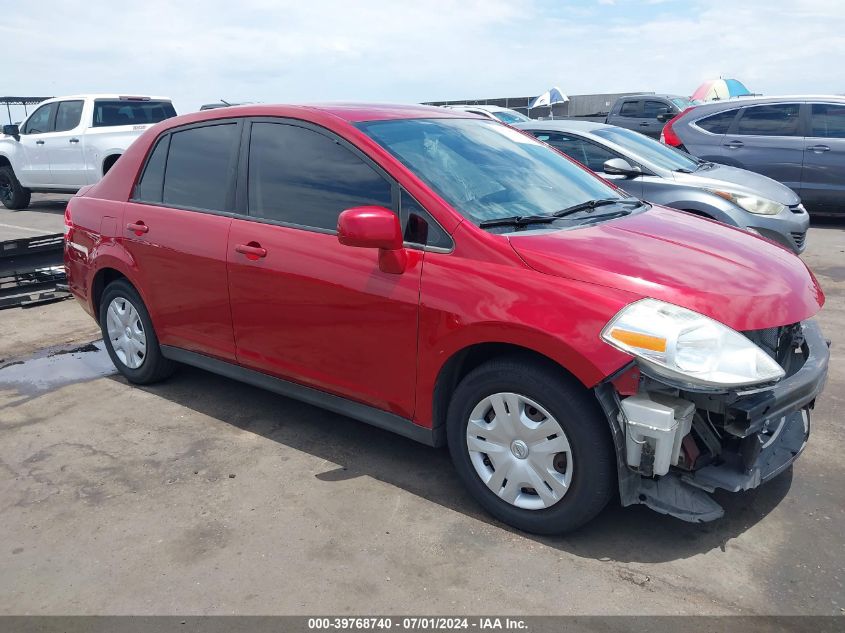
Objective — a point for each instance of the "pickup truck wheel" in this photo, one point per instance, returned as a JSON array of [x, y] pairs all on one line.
[[129, 336], [532, 447], [12, 195]]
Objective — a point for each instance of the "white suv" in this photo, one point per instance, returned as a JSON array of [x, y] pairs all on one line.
[[69, 142]]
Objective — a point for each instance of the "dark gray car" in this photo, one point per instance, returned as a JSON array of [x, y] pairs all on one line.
[[799, 141], [646, 113], [652, 171]]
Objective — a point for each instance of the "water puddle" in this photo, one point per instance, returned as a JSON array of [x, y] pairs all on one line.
[[56, 367]]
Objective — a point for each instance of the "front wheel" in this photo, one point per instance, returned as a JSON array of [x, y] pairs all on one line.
[[531, 445], [12, 194], [129, 336]]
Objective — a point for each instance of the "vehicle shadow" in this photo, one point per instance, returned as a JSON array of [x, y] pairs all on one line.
[[362, 450]]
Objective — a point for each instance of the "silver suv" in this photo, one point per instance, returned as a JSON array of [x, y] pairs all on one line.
[[799, 141]]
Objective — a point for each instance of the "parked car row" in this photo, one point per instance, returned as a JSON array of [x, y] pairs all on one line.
[[69, 142], [459, 282]]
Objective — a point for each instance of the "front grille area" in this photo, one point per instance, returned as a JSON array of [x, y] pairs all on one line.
[[799, 238], [797, 209]]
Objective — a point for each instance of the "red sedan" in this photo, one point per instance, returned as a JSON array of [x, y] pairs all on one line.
[[460, 283]]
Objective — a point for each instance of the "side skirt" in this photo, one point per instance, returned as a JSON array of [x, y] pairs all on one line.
[[364, 413]]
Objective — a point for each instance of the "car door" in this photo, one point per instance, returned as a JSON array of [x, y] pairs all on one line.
[[591, 155], [305, 307], [629, 114], [768, 139], [34, 170], [176, 227], [651, 125], [67, 157], [823, 176]]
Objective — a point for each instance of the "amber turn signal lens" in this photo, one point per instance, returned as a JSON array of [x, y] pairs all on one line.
[[642, 341]]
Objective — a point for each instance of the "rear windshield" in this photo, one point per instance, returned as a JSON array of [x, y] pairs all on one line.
[[109, 113]]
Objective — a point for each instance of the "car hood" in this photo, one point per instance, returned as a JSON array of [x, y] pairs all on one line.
[[740, 181], [732, 276]]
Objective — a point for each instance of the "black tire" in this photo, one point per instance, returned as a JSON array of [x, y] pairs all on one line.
[[154, 367], [594, 477], [12, 194]]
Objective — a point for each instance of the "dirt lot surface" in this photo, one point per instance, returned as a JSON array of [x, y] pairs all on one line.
[[204, 496]]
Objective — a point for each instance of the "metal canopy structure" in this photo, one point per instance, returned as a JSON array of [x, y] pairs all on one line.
[[20, 101]]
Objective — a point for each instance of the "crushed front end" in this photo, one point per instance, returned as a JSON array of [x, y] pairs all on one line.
[[676, 443]]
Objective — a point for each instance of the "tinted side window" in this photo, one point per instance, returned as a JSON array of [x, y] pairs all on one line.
[[300, 176], [420, 227], [652, 108], [40, 121], [68, 115], [770, 120], [630, 108], [718, 123], [197, 174], [149, 187], [828, 120], [585, 152]]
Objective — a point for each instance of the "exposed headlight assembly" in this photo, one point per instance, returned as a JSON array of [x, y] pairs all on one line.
[[752, 204], [689, 348]]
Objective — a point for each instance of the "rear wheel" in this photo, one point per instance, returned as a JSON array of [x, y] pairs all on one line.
[[129, 336], [12, 194], [531, 446]]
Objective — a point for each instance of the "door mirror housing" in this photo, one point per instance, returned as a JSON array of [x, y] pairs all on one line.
[[620, 167], [665, 116], [374, 227], [11, 130]]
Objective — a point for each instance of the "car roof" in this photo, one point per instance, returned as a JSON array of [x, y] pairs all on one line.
[[105, 96], [349, 112], [738, 102], [649, 95], [562, 125], [486, 108]]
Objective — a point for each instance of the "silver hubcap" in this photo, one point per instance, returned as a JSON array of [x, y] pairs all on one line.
[[126, 333], [520, 451]]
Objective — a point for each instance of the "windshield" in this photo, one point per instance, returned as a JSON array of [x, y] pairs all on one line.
[[649, 150], [130, 112], [486, 170], [510, 116]]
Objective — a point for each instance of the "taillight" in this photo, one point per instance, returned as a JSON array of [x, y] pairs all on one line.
[[668, 134], [68, 222]]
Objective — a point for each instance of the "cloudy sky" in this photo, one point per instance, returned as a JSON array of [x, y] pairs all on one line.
[[198, 51]]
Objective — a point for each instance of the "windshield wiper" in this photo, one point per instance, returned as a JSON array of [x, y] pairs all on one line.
[[684, 170], [517, 220], [705, 164], [589, 205]]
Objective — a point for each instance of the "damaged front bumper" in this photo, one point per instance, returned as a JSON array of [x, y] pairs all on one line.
[[736, 440]]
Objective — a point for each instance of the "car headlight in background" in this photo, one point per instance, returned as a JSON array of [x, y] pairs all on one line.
[[752, 204], [688, 347]]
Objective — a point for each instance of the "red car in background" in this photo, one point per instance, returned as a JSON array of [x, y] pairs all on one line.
[[460, 283]]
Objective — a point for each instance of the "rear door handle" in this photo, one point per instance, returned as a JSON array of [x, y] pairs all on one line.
[[253, 250], [73, 140], [818, 149], [734, 144], [139, 228], [39, 142]]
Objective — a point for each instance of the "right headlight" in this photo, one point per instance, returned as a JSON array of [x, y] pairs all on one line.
[[752, 204], [688, 347]]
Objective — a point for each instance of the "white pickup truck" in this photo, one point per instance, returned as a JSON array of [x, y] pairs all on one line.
[[69, 142]]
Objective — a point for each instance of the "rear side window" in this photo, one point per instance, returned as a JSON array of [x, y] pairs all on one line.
[[652, 108], [198, 169], [718, 123], [584, 152], [68, 115], [115, 112], [40, 121], [828, 120], [770, 120], [630, 109], [149, 187], [299, 176]]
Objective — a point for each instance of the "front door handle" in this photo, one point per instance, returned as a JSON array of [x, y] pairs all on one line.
[[73, 140], [818, 149], [39, 142], [645, 124], [138, 228], [734, 144], [253, 250]]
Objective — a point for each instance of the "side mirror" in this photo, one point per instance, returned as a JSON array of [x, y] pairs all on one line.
[[664, 116], [374, 227], [620, 167], [11, 130]]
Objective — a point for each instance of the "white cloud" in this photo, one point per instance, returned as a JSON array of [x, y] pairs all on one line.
[[277, 51]]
